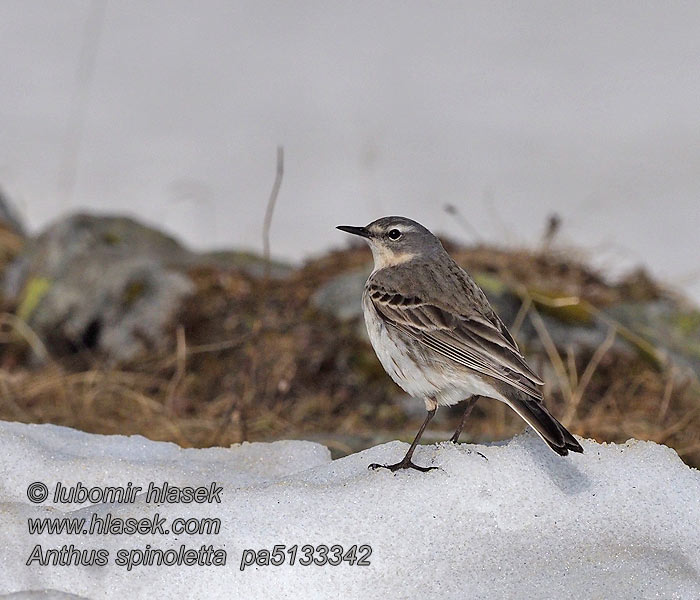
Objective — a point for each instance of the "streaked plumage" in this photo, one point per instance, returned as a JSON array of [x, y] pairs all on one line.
[[436, 334]]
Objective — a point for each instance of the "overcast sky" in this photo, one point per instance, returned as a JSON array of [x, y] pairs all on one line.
[[589, 109]]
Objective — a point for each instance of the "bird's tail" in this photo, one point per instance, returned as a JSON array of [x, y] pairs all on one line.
[[547, 427]]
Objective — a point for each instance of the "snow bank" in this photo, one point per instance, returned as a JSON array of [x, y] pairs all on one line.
[[620, 521]]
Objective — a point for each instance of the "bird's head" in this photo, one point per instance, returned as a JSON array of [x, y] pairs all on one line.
[[396, 240]]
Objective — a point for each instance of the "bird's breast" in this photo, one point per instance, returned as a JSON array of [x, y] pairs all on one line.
[[417, 370], [402, 359]]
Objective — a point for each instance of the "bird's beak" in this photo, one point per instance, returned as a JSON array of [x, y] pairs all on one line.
[[361, 231]]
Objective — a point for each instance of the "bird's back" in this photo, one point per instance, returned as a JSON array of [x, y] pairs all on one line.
[[440, 282]]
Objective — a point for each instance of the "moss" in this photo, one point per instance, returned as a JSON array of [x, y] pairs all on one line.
[[687, 322], [111, 238], [489, 283], [563, 307], [133, 291], [34, 292]]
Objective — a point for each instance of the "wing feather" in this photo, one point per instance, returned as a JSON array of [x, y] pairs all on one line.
[[473, 341]]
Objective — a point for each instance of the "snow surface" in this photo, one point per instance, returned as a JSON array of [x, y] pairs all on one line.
[[620, 521]]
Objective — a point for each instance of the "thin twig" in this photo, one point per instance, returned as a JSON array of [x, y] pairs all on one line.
[[269, 211], [598, 355], [662, 436], [552, 352], [520, 317], [216, 346], [668, 390], [551, 229], [571, 362], [180, 368], [453, 211], [29, 335], [658, 357]]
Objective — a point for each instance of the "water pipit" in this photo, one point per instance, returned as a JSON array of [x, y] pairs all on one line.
[[437, 336]]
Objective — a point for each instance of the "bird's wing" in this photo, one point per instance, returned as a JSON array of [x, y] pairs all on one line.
[[472, 340]]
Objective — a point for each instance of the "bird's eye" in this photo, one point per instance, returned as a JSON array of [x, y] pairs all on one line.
[[394, 234]]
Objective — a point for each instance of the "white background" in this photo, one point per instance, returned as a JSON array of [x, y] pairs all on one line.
[[588, 109]]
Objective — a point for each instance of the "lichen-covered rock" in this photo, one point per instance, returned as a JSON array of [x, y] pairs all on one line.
[[103, 283]]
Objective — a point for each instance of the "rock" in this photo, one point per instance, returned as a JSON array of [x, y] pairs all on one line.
[[341, 296], [103, 283], [248, 262], [670, 325], [656, 329], [11, 232], [9, 219]]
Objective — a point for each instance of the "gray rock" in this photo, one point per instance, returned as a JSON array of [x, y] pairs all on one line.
[[341, 296], [248, 262], [99, 282], [9, 216], [672, 326]]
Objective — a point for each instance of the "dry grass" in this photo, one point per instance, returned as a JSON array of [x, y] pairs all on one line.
[[252, 360]]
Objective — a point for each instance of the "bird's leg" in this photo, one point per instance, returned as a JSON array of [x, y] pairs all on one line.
[[406, 462], [471, 401]]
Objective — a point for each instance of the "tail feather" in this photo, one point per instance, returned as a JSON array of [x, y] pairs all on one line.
[[547, 427]]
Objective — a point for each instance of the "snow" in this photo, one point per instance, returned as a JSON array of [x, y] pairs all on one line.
[[619, 521]]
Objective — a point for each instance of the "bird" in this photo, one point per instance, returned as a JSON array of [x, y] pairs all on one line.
[[437, 336]]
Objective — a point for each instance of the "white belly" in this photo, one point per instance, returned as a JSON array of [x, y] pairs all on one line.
[[431, 377]]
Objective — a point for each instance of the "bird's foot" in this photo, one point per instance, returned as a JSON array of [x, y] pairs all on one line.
[[404, 464]]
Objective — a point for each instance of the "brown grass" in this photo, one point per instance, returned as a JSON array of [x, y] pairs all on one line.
[[252, 360]]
